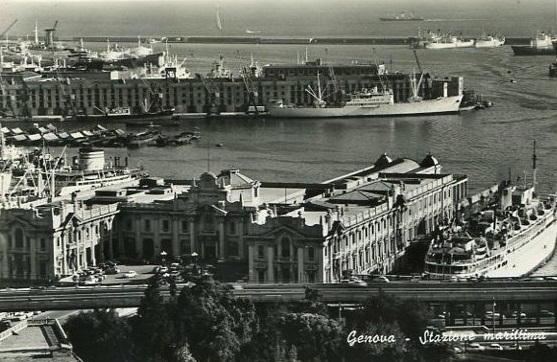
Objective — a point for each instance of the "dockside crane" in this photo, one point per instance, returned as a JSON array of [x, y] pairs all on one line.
[[213, 93], [49, 40], [417, 86], [248, 76]]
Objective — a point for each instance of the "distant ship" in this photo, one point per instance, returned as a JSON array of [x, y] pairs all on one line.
[[509, 238], [540, 45], [367, 103], [404, 17], [444, 41], [489, 41]]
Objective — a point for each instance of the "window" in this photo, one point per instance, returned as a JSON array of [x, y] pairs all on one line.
[[232, 227], [186, 247], [233, 248], [129, 224], [165, 225], [285, 247], [260, 251], [261, 276], [19, 238], [311, 253], [184, 226], [147, 225], [42, 245]]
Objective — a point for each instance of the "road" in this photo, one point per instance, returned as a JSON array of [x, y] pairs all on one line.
[[129, 295]]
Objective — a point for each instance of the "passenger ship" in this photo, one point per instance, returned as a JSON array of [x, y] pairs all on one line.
[[509, 240]]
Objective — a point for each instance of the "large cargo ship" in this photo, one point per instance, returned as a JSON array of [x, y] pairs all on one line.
[[367, 103], [540, 45], [509, 238]]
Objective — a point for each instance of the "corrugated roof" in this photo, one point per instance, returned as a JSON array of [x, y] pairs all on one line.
[[50, 136]]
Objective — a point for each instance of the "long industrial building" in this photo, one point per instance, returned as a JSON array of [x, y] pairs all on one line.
[[66, 93]]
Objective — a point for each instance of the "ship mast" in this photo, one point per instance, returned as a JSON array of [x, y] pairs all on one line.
[[534, 170]]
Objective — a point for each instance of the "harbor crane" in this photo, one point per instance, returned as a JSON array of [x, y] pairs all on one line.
[[248, 74], [49, 40], [213, 92], [8, 28]]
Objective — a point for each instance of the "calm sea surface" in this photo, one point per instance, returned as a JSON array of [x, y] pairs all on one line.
[[484, 144]]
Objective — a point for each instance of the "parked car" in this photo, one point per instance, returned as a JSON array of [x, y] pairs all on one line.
[[546, 313], [515, 315], [490, 315], [381, 279], [495, 346], [130, 274], [475, 347]]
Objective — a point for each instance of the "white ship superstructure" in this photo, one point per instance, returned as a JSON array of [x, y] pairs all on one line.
[[510, 239]]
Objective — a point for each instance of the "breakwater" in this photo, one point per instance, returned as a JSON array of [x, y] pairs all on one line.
[[278, 40]]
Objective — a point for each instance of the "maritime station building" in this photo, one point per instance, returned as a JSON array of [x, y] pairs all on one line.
[[359, 223], [67, 93]]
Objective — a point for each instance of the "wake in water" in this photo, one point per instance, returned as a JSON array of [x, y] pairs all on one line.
[[432, 20]]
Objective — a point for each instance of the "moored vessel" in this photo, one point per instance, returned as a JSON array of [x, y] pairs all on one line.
[[541, 44], [489, 41], [510, 237], [367, 103], [446, 41]]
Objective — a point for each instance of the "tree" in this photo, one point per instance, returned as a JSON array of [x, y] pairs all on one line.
[[101, 336], [214, 323], [316, 337], [153, 328]]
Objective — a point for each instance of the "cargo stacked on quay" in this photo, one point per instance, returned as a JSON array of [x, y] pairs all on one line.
[[71, 93]]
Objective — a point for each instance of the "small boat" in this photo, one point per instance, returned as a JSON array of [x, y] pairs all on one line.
[[553, 69]]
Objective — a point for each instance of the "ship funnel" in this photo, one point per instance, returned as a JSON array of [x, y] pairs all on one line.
[[91, 159]]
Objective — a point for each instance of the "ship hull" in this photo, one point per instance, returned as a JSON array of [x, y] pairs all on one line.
[[165, 116], [528, 50], [488, 43], [459, 44], [433, 106]]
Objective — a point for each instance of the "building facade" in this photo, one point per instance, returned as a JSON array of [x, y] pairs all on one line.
[[211, 219], [362, 225], [53, 240]]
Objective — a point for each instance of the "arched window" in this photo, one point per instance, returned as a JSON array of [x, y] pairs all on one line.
[[18, 238]]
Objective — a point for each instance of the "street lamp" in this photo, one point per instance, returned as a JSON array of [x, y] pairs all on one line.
[[194, 262], [163, 257]]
